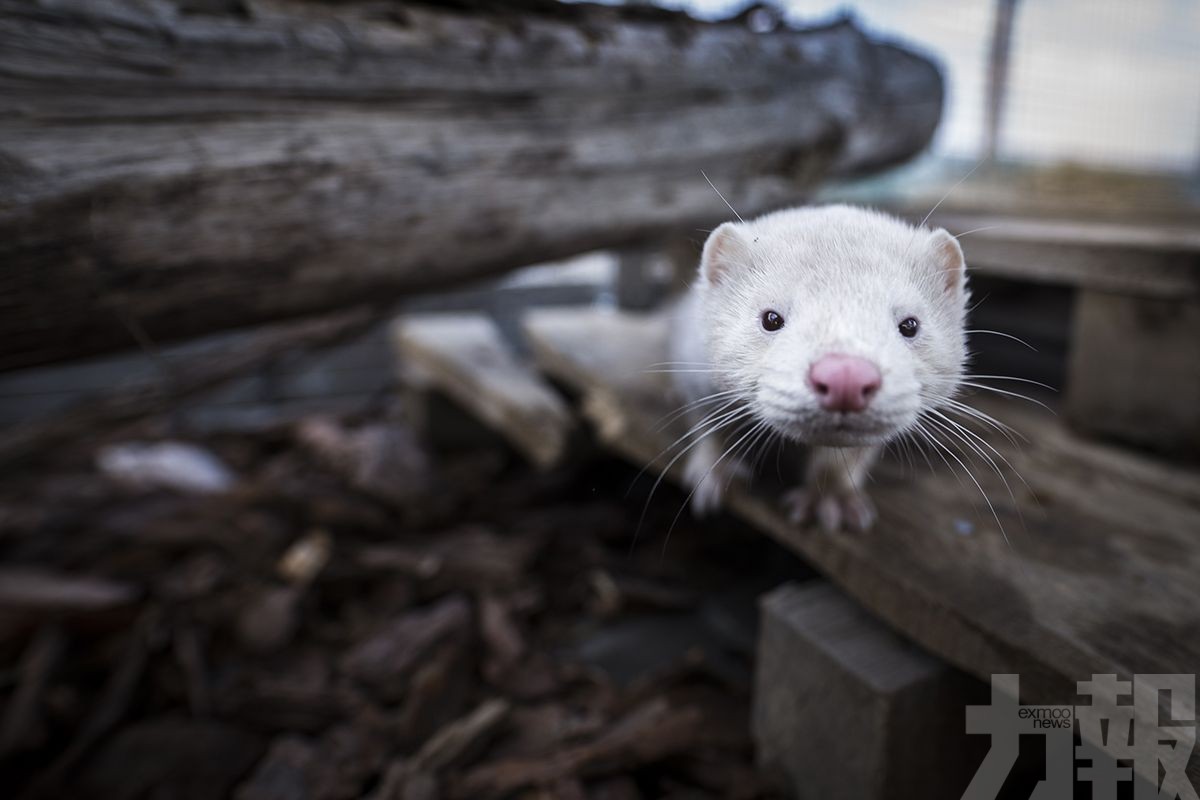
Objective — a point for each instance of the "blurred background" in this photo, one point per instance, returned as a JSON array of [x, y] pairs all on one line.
[[329, 441], [1108, 89]]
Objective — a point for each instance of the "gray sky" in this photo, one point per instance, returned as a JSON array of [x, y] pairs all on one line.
[[1113, 82]]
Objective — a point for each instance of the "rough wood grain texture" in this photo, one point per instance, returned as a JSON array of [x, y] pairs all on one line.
[[465, 356], [1097, 569], [1135, 370], [196, 171]]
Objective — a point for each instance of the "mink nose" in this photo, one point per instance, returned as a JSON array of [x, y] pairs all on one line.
[[844, 383]]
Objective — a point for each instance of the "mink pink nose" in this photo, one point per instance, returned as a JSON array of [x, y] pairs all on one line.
[[844, 383]]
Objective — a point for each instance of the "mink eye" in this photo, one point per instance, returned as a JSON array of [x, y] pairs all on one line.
[[909, 327], [771, 321]]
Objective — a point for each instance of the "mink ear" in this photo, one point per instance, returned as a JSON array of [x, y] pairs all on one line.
[[723, 251], [949, 257]]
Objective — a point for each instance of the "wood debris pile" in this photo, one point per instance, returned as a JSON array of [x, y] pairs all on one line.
[[333, 610]]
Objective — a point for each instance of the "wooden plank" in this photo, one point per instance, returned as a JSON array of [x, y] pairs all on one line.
[[1096, 569], [465, 356], [1128, 258], [1135, 370]]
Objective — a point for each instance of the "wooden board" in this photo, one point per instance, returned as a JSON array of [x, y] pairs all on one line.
[[1101, 576], [464, 356], [1136, 259]]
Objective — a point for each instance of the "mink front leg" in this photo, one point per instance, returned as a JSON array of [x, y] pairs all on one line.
[[709, 470], [833, 491]]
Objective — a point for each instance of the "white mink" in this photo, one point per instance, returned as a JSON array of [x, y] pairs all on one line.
[[833, 326]]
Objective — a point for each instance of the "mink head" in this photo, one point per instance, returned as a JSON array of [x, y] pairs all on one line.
[[838, 325]]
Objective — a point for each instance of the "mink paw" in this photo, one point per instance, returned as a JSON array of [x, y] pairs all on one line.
[[845, 509]]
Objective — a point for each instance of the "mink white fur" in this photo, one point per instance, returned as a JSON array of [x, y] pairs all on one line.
[[843, 279]]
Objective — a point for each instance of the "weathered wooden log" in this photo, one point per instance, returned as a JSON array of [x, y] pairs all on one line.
[[199, 170]]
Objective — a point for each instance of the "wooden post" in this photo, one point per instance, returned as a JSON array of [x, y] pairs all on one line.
[[845, 708], [1134, 369], [997, 87]]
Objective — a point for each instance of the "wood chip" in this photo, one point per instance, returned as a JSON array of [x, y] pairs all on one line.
[[385, 659], [500, 633], [470, 556], [21, 725], [36, 594], [648, 733], [454, 743], [384, 460], [170, 757], [304, 560]]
